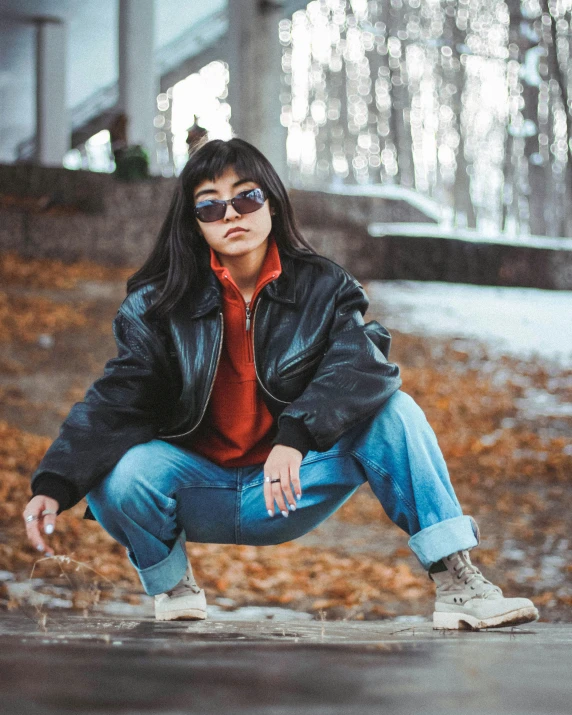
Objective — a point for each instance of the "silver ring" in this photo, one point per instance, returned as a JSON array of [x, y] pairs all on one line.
[[31, 517], [48, 511]]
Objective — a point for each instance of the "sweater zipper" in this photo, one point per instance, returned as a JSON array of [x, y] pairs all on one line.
[[194, 427], [248, 314]]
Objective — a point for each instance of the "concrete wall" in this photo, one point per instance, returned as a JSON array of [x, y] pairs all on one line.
[[89, 215], [78, 214]]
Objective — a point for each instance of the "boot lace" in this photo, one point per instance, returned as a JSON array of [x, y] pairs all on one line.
[[464, 572], [182, 588]]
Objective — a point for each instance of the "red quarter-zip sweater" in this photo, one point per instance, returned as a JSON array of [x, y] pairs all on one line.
[[237, 429]]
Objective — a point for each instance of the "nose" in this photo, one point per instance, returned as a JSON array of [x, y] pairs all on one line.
[[233, 212]]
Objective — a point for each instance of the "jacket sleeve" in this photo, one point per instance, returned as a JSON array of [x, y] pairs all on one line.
[[352, 382], [122, 408]]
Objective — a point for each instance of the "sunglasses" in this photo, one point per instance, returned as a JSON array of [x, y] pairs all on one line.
[[244, 203]]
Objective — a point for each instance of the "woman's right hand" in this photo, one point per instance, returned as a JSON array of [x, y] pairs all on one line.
[[44, 510]]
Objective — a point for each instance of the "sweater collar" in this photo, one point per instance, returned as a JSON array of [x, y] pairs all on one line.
[[281, 290], [269, 271]]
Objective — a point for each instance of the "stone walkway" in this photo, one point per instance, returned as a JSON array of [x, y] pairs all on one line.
[[71, 664]]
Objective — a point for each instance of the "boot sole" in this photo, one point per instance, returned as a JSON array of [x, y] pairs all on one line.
[[464, 622], [187, 614]]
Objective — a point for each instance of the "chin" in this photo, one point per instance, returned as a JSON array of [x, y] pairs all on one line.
[[242, 243]]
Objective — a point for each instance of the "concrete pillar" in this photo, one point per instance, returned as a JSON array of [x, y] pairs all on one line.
[[53, 128], [254, 58], [138, 78]]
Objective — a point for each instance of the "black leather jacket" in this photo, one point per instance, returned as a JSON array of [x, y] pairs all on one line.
[[320, 367]]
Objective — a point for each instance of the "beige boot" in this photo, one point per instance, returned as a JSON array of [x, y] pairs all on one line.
[[185, 602], [466, 600]]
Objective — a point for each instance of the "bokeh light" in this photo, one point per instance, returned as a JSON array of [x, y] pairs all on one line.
[[434, 96]]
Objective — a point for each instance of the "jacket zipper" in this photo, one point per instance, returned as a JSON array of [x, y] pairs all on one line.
[[194, 427], [247, 316], [284, 402]]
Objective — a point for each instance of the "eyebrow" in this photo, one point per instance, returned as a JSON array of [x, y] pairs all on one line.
[[214, 191]]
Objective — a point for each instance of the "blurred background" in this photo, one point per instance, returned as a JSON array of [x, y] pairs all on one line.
[[426, 147]]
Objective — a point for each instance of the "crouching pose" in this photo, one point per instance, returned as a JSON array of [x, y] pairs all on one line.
[[248, 401]]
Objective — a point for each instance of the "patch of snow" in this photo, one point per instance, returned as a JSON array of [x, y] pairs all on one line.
[[408, 619], [431, 230], [24, 592], [520, 322], [216, 612], [425, 204], [258, 613], [120, 608], [543, 403]]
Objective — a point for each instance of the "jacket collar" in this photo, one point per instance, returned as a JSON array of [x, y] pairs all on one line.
[[281, 290], [269, 271]]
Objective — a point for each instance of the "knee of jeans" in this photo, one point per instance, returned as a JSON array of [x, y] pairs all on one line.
[[127, 482], [400, 403]]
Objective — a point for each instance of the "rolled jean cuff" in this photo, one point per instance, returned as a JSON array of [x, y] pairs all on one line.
[[166, 574], [444, 538]]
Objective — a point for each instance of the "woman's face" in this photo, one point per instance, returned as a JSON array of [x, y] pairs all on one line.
[[249, 231]]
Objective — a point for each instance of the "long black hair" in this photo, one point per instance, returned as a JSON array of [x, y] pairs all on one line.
[[180, 259]]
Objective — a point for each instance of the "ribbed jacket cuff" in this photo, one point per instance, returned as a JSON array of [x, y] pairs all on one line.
[[293, 433], [56, 487]]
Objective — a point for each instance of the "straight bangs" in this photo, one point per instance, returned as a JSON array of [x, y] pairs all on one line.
[[210, 162]]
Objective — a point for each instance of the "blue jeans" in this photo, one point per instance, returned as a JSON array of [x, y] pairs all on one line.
[[159, 495]]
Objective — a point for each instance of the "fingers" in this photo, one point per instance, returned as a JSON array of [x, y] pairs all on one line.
[[287, 490], [35, 520], [35, 537], [278, 496], [295, 479], [273, 493], [268, 496], [49, 523], [281, 474], [279, 490]]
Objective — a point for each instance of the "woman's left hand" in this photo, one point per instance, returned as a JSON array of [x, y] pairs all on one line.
[[281, 473]]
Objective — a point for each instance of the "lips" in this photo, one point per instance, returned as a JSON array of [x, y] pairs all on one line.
[[235, 230]]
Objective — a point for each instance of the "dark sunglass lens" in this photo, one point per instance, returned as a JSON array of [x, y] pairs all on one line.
[[211, 211], [248, 202]]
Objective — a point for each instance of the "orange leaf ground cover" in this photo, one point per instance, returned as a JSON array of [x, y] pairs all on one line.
[[511, 472], [25, 318], [54, 273]]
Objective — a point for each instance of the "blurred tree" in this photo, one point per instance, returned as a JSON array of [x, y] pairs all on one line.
[[466, 102]]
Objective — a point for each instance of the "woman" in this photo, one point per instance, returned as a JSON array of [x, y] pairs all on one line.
[[246, 379]]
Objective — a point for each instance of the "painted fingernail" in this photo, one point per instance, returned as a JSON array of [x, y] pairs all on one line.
[[284, 513], [270, 513], [40, 548], [298, 496], [292, 507], [49, 528]]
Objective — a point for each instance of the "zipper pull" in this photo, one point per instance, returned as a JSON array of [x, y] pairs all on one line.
[[248, 316]]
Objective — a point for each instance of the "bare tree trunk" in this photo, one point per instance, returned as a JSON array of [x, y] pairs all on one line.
[[557, 73], [464, 211], [556, 70], [399, 124]]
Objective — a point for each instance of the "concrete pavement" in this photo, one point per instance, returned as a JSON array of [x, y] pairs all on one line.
[[67, 663]]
